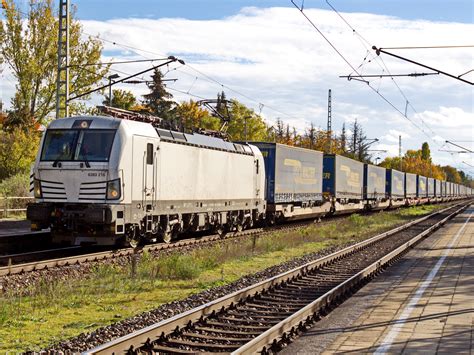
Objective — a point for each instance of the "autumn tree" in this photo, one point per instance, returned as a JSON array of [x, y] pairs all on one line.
[[425, 152], [194, 116], [241, 115], [123, 99], [29, 46], [18, 149]]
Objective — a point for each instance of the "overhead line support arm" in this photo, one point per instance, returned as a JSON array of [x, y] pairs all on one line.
[[381, 50], [171, 59]]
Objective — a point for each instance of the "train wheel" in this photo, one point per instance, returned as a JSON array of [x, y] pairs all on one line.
[[239, 228], [133, 237], [221, 231], [167, 237]]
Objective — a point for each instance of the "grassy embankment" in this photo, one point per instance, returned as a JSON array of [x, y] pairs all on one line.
[[56, 311]]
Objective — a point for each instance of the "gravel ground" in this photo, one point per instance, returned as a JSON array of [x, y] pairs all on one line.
[[22, 284]]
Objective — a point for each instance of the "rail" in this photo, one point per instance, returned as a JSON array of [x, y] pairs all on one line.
[[7, 206], [263, 342]]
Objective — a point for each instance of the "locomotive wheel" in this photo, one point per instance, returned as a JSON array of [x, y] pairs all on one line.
[[133, 238], [221, 231], [167, 236]]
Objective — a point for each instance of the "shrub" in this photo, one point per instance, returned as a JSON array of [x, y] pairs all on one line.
[[15, 186]]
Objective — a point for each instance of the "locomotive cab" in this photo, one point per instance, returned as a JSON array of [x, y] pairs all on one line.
[[77, 183]]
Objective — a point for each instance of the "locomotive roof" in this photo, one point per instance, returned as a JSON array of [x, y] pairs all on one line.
[[107, 122], [94, 122], [201, 140]]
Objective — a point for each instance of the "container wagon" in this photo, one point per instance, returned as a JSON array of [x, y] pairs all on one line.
[[410, 188], [421, 189], [395, 187], [374, 187], [293, 183], [343, 180], [430, 189], [438, 189]]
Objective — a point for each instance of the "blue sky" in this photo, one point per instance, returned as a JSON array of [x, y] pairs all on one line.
[[435, 10], [270, 59]]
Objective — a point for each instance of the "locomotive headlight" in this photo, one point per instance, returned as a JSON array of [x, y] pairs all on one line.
[[37, 189], [113, 189]]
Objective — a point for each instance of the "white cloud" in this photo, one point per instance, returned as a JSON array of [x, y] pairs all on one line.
[[273, 56]]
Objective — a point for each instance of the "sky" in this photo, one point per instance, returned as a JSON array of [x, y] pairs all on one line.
[[265, 54]]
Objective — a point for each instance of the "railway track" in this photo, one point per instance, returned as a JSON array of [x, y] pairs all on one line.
[[261, 317], [10, 268], [37, 260]]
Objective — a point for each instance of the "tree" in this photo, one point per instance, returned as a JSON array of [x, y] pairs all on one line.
[[343, 138], [256, 127], [425, 152], [18, 149], [123, 99], [159, 101], [194, 116], [30, 48], [310, 137], [280, 130]]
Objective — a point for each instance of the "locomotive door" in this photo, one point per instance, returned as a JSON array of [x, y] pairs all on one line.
[[144, 172]]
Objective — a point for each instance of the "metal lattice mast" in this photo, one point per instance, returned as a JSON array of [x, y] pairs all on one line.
[[329, 121], [62, 84], [400, 151]]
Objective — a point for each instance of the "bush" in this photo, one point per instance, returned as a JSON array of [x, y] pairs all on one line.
[[15, 186], [17, 151]]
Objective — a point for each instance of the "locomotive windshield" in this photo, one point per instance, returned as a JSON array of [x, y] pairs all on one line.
[[91, 145]]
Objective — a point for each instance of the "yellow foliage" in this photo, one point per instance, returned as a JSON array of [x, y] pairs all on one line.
[[414, 163], [18, 149]]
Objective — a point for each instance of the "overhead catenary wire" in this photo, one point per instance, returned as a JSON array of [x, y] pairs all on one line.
[[383, 66], [357, 72], [117, 62], [136, 50], [432, 47]]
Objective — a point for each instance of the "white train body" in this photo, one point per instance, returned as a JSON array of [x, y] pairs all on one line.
[[103, 180]]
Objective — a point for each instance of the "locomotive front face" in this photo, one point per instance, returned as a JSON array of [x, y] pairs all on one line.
[[76, 180]]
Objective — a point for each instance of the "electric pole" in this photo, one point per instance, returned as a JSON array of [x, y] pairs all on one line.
[[62, 83], [329, 121]]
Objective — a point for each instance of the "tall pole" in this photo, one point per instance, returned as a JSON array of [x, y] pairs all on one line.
[[62, 83], [400, 151], [329, 120]]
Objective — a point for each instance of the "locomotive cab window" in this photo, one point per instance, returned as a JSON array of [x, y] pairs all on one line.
[[91, 145], [149, 154]]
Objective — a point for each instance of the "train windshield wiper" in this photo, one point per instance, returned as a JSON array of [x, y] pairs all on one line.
[[86, 161]]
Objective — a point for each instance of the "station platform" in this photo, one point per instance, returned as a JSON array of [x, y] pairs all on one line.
[[422, 304]]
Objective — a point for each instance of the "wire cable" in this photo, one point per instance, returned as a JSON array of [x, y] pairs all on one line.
[[357, 72], [384, 68]]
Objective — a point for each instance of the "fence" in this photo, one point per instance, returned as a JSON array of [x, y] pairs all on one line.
[[10, 206]]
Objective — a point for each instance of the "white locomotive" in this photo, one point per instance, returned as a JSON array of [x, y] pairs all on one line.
[[104, 180]]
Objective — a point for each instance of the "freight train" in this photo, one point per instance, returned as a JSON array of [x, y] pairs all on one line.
[[110, 181]]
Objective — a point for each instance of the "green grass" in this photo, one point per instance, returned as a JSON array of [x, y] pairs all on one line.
[[57, 310]]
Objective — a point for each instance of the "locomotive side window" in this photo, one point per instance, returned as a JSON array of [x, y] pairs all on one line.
[[149, 154]]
